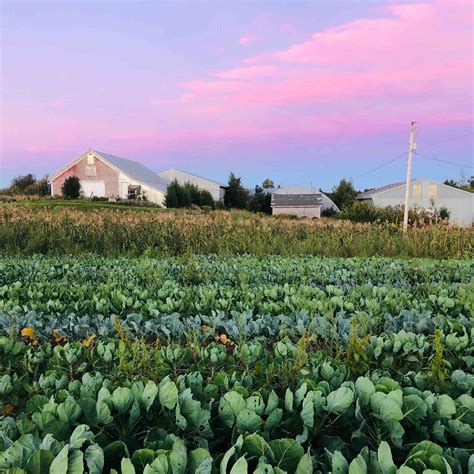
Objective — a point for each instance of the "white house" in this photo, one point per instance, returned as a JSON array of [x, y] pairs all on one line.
[[426, 194], [216, 189]]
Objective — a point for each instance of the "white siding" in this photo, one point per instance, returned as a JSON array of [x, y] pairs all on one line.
[[152, 194], [311, 212], [460, 204]]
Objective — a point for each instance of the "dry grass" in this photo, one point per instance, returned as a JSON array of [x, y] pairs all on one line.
[[115, 232]]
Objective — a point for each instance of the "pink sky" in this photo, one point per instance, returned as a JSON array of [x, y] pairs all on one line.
[[268, 90]]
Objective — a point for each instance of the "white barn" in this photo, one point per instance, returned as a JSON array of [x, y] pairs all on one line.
[[216, 189], [105, 175], [426, 194]]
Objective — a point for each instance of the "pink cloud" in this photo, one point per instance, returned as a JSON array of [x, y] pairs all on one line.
[[245, 73], [374, 72], [245, 40]]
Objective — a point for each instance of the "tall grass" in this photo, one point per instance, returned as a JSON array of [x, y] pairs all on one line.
[[110, 232]]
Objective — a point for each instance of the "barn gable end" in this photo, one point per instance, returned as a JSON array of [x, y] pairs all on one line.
[[95, 174]]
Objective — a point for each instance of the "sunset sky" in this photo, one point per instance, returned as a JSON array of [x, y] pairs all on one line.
[[298, 92]]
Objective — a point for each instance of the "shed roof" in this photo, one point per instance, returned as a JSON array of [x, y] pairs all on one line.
[[296, 200], [135, 170], [160, 173], [371, 192]]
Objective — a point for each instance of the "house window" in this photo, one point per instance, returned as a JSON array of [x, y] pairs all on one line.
[[90, 159], [90, 171], [433, 190], [417, 190]]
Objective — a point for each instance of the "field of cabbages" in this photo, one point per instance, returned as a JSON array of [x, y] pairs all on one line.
[[236, 364]]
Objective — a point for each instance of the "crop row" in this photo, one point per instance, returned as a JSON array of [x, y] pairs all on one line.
[[376, 288], [408, 348], [115, 233], [124, 405]]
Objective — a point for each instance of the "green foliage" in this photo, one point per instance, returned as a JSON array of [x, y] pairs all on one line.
[[240, 364], [206, 199], [438, 364], [28, 185], [186, 195], [260, 201], [71, 188], [343, 194], [176, 196], [74, 229], [236, 196], [361, 211], [356, 351]]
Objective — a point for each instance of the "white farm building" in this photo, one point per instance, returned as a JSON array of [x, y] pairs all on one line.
[[326, 203], [426, 194], [216, 189], [105, 175]]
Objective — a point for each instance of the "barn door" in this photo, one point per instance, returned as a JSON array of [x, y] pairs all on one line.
[[124, 190]]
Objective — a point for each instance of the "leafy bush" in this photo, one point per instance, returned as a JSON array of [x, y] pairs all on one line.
[[27, 185], [71, 188], [187, 195], [361, 211]]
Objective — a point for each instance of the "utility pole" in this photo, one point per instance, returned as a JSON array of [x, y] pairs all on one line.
[[411, 148]]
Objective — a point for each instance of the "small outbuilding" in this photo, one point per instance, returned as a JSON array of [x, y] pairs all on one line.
[[301, 205], [425, 194], [327, 204]]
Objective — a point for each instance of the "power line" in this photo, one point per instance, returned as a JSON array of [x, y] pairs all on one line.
[[445, 161], [451, 138], [381, 166]]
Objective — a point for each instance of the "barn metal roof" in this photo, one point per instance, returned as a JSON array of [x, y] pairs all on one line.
[[296, 200], [371, 192], [160, 173], [135, 170]]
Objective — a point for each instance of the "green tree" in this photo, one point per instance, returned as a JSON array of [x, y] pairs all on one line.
[[41, 187], [23, 184], [466, 184], [344, 194], [71, 188], [172, 194], [261, 200], [192, 193], [206, 198], [268, 184], [236, 195]]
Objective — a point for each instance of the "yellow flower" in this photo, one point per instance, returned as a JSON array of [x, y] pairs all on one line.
[[59, 338], [28, 332], [87, 342], [8, 409]]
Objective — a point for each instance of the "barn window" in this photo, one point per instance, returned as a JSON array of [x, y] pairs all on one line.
[[433, 190], [90, 171], [90, 159], [134, 191], [417, 190]]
